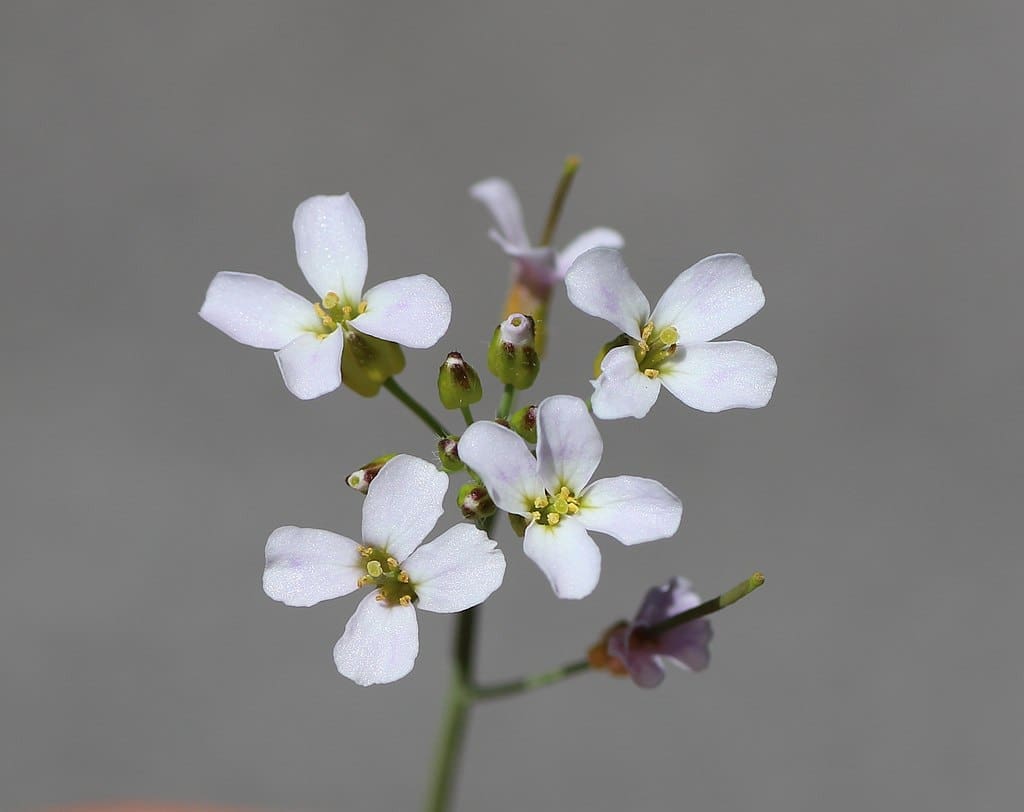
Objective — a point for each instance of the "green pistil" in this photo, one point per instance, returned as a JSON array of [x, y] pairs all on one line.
[[392, 582]]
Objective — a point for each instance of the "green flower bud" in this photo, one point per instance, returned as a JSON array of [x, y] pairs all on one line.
[[621, 340], [524, 423], [360, 480], [458, 385], [519, 524], [512, 355], [448, 454], [475, 502], [366, 362]]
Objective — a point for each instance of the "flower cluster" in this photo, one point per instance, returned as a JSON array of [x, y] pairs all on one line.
[[537, 464]]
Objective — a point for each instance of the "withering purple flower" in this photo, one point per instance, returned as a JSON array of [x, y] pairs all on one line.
[[643, 656]]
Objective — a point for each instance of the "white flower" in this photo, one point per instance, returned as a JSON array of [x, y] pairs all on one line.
[[457, 570], [538, 268], [330, 243], [673, 347], [552, 492]]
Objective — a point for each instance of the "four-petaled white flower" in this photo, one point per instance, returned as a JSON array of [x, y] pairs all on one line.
[[457, 570], [330, 243], [552, 492], [672, 346], [537, 267]]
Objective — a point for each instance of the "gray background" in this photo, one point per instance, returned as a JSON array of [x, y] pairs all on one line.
[[866, 157]]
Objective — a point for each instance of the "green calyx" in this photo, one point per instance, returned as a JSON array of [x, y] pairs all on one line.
[[384, 572], [524, 423], [366, 362]]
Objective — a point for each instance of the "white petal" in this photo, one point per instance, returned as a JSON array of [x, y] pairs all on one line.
[[595, 238], [501, 199], [414, 311], [712, 297], [306, 566], [501, 459], [330, 245], [721, 375], [631, 508], [311, 366], [380, 643], [458, 569], [622, 390], [256, 311], [569, 445], [599, 283], [566, 555], [402, 505]]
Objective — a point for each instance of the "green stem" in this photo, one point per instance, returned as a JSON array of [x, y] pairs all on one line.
[[467, 415], [519, 686], [508, 398], [415, 407], [741, 590], [572, 163]]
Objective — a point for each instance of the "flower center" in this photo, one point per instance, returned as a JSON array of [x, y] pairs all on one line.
[[332, 312], [392, 582], [654, 348], [550, 508]]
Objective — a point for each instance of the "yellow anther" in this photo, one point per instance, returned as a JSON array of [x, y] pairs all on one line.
[[362, 307], [573, 509], [652, 373], [374, 568], [365, 552], [403, 576], [540, 502], [379, 597], [366, 579], [536, 515], [392, 563], [346, 312], [405, 600], [325, 317], [646, 332], [565, 493], [331, 300], [553, 518]]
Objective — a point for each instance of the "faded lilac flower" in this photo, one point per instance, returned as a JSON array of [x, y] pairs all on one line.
[[686, 646], [457, 570], [672, 345], [308, 337], [553, 494], [538, 268]]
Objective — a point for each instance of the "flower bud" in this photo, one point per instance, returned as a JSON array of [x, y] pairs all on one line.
[[621, 340], [518, 523], [448, 454], [360, 480], [524, 423], [512, 356], [366, 362], [475, 502], [458, 385]]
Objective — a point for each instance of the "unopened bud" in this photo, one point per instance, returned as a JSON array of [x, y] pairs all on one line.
[[366, 362], [621, 340], [458, 385], [524, 423], [512, 356], [360, 480], [475, 502], [448, 454]]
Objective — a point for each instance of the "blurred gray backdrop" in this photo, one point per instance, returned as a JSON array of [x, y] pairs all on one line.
[[865, 157]]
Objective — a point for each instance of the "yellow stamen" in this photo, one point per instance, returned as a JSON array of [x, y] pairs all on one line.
[[553, 518], [405, 600], [573, 509], [540, 502], [652, 373], [366, 579], [646, 332], [536, 515], [380, 597], [365, 552], [362, 307], [331, 300], [403, 576], [392, 563]]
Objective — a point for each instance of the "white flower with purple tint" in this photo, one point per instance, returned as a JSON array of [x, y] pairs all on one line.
[[553, 493], [457, 570], [308, 337], [537, 267], [672, 345], [685, 646]]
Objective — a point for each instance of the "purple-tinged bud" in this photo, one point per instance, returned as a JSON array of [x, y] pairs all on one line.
[[448, 454], [360, 480], [475, 502], [458, 385], [512, 355], [524, 423]]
